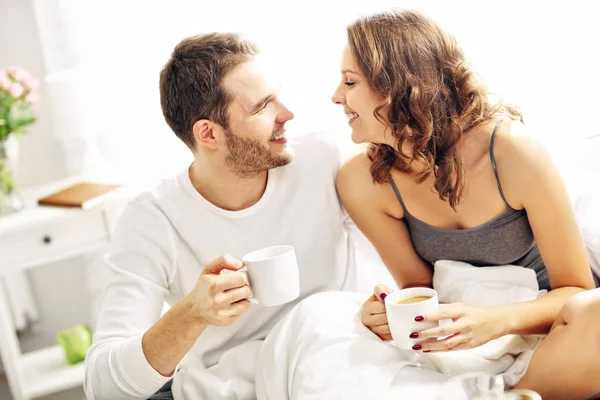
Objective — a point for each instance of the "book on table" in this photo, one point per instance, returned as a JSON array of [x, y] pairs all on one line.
[[83, 195]]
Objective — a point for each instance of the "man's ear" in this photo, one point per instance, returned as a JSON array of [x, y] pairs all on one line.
[[206, 133]]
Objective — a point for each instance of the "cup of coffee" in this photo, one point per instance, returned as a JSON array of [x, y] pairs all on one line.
[[273, 275], [402, 307]]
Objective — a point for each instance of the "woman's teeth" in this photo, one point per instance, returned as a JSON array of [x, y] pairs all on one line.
[[351, 116]]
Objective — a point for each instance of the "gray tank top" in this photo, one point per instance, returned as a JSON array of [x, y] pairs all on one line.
[[506, 239]]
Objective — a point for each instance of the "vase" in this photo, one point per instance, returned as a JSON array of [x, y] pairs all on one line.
[[10, 199]]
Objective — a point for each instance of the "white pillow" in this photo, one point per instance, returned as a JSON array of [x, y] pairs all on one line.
[[587, 211], [578, 162]]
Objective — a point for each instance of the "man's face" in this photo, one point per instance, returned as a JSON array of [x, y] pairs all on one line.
[[255, 139]]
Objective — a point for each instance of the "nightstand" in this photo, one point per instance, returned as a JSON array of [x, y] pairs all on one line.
[[33, 237]]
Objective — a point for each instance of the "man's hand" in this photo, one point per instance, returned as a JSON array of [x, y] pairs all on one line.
[[219, 299]]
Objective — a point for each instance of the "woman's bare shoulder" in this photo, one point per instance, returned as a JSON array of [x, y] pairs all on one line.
[[523, 164], [354, 179], [517, 151], [357, 187]]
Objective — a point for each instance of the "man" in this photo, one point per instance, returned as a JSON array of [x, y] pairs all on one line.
[[242, 193]]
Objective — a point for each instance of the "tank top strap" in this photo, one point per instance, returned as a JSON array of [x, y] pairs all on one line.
[[397, 192], [493, 159]]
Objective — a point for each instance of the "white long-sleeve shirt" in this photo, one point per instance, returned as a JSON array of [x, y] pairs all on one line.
[[163, 240]]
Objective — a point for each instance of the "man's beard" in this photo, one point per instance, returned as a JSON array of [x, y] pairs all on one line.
[[247, 157]]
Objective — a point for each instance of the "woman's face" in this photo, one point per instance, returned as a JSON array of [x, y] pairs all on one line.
[[359, 101]]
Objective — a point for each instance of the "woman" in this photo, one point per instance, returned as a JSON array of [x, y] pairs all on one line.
[[442, 178]]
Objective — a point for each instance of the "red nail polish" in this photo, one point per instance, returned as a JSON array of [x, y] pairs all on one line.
[[419, 318], [414, 335], [417, 347], [383, 296]]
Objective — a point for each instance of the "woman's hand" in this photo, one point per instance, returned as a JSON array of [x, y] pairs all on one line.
[[372, 313], [472, 326]]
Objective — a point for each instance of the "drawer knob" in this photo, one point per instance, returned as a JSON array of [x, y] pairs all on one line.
[[47, 239]]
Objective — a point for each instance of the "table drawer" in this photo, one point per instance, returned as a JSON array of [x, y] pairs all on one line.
[[35, 243]]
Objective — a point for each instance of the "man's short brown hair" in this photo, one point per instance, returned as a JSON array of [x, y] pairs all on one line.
[[191, 83]]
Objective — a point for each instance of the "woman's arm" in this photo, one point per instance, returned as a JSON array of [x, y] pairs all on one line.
[[365, 201], [529, 177]]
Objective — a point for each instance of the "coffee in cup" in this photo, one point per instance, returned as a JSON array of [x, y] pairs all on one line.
[[415, 299]]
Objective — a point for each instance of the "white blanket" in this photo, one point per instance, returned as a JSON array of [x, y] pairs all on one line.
[[461, 282], [321, 350]]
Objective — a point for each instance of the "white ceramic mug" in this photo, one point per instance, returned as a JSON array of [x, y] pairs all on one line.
[[401, 317], [273, 275]]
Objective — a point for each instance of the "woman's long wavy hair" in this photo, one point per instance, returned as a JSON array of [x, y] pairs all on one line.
[[432, 97]]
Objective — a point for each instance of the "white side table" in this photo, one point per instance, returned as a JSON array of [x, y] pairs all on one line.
[[33, 237]]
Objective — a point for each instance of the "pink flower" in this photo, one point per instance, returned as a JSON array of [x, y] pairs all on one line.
[[23, 76], [32, 84], [19, 75], [16, 72], [16, 90], [4, 80], [32, 97]]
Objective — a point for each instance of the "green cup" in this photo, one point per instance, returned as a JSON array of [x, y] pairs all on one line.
[[75, 341]]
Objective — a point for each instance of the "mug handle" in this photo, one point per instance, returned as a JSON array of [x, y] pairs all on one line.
[[244, 269]]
